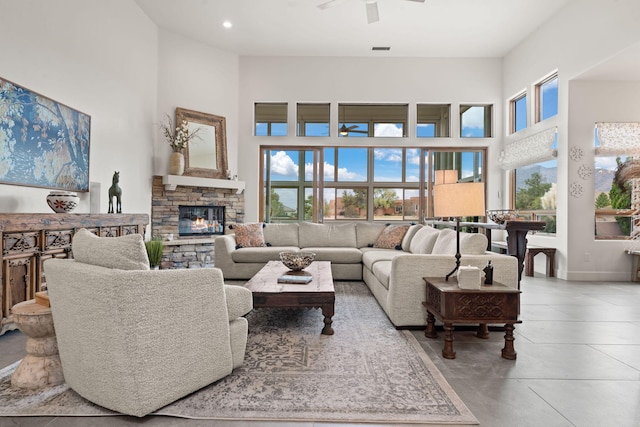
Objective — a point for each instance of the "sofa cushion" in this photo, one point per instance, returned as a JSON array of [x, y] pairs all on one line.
[[124, 252], [281, 234], [446, 243], [372, 256], [337, 255], [391, 237], [367, 233], [470, 243], [249, 235], [473, 243], [261, 254], [406, 241], [382, 271], [327, 235], [423, 241]]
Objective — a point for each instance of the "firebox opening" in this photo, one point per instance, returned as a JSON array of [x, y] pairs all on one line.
[[200, 220]]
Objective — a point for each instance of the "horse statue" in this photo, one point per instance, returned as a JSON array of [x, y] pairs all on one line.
[[115, 191]]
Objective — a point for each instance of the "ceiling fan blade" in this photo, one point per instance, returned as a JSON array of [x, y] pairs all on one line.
[[372, 12]]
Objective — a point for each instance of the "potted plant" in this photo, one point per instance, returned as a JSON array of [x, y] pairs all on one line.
[[155, 247]]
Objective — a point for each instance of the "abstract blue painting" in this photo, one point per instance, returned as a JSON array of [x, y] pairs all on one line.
[[43, 143]]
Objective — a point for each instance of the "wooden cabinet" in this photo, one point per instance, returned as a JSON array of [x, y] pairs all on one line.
[[30, 239]]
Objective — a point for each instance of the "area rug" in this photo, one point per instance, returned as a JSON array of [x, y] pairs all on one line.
[[366, 372]]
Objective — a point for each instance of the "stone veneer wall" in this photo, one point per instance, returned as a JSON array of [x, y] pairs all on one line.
[[195, 252]]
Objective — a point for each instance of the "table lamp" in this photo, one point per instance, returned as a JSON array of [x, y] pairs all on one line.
[[457, 199]]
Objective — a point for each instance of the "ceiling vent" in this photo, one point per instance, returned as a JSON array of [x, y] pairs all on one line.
[[383, 48]]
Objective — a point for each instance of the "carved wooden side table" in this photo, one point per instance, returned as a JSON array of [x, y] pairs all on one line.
[[490, 304], [41, 366]]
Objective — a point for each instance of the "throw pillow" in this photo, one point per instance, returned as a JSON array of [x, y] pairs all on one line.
[[124, 252], [391, 237], [249, 235], [411, 232], [423, 241], [473, 243]]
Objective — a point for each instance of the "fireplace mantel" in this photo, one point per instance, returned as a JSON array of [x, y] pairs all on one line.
[[170, 182]]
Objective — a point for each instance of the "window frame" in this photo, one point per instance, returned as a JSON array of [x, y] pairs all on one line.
[[538, 96], [488, 121], [422, 186], [513, 112]]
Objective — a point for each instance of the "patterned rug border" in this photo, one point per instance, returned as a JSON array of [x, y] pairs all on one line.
[[24, 404]]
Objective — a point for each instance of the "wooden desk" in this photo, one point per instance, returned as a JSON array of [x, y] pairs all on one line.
[[516, 236], [448, 303]]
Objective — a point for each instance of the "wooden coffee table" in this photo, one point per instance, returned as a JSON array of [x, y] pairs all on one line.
[[495, 303], [319, 293]]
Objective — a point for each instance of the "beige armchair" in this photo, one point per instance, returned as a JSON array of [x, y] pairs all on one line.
[[134, 340]]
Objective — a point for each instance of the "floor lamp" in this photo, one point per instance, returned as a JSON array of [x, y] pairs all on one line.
[[457, 199]]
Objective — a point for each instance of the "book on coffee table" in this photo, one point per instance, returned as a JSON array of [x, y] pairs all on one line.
[[294, 279]]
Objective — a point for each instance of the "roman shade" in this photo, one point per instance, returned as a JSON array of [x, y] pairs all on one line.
[[618, 139], [529, 150]]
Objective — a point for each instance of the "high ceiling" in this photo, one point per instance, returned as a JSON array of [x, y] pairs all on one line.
[[433, 28]]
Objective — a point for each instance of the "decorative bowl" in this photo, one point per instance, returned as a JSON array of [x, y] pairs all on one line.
[[500, 216], [62, 201], [297, 261]]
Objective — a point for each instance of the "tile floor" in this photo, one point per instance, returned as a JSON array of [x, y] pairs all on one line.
[[578, 364]]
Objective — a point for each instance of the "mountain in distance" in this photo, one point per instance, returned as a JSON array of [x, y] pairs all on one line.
[[602, 177]]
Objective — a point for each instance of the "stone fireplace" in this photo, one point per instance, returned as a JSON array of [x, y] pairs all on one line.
[[211, 204]]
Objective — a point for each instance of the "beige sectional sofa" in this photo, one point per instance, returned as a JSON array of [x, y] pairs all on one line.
[[393, 275]]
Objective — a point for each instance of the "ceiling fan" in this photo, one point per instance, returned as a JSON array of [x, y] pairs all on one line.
[[344, 130], [371, 5]]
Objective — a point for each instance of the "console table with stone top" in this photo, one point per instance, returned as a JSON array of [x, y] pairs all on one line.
[[30, 239], [491, 304]]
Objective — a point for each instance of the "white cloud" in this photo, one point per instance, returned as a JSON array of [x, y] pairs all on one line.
[[608, 163], [387, 129], [388, 154], [329, 169], [413, 157], [282, 164], [473, 118]]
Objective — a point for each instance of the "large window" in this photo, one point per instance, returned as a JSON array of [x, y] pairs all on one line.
[[547, 98], [362, 183], [271, 119], [616, 181], [475, 121], [535, 192], [290, 179]]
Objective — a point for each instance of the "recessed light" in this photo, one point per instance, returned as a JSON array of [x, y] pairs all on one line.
[[227, 24]]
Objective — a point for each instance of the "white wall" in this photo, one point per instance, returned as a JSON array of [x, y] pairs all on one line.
[[97, 57], [197, 77], [363, 80], [581, 35]]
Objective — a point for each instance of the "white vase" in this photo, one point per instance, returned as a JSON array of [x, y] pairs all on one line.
[[62, 201], [176, 163]]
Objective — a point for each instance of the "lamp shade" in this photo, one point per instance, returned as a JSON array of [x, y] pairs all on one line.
[[459, 199]]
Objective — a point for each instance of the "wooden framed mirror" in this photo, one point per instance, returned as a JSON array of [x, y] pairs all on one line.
[[206, 154]]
